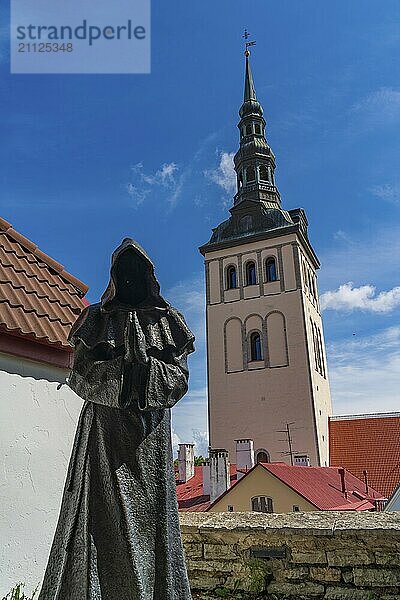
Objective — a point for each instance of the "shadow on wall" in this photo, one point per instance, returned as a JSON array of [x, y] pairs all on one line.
[[14, 365]]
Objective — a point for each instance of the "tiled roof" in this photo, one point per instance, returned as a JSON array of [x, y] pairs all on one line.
[[321, 486], [368, 442], [38, 298]]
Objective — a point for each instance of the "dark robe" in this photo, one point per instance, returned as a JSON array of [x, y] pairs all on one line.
[[118, 535]]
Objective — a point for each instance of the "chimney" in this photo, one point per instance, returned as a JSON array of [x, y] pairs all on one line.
[[365, 473], [186, 461], [244, 456], [206, 478], [343, 481], [219, 472]]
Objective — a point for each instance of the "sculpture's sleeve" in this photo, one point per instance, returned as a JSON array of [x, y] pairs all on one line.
[[96, 375], [163, 383]]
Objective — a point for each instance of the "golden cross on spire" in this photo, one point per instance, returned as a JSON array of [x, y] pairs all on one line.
[[248, 44]]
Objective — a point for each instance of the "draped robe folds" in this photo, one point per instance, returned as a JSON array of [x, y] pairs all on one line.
[[118, 535]]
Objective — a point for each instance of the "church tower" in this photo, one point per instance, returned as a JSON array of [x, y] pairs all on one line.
[[265, 345]]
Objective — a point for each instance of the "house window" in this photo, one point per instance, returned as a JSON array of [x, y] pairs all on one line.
[[263, 173], [250, 174], [270, 268], [231, 282], [262, 504], [251, 274], [230, 508], [296, 508], [255, 346]]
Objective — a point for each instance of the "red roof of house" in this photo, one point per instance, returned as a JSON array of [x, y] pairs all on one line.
[[39, 300], [321, 486], [371, 443]]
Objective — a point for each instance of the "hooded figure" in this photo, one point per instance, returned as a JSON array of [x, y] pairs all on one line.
[[118, 533]]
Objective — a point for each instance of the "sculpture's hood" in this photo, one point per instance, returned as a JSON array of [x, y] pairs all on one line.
[[109, 300]]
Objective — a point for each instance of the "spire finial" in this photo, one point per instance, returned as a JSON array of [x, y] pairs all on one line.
[[248, 44]]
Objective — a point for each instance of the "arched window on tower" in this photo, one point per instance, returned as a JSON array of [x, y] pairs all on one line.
[[250, 174], [257, 128], [231, 279], [255, 346], [251, 273], [270, 269], [263, 456], [263, 173], [240, 179], [249, 129]]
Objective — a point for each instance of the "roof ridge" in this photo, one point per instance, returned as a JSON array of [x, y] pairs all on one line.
[[32, 247]]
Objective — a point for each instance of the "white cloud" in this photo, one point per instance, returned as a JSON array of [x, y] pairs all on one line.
[[379, 107], [349, 298], [224, 175], [190, 414], [365, 373], [388, 191], [165, 178]]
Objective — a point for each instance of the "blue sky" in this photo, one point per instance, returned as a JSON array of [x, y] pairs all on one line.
[[88, 159]]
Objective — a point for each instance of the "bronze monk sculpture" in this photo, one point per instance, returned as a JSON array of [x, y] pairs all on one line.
[[118, 534]]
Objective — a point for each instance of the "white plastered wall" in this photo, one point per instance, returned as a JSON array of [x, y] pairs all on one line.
[[37, 427]]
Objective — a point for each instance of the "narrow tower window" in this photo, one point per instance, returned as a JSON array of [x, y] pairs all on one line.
[[231, 282], [255, 346], [257, 128], [251, 275], [249, 129], [250, 174], [263, 173], [270, 268]]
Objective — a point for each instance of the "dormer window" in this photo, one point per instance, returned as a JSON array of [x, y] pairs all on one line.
[[250, 174], [251, 274]]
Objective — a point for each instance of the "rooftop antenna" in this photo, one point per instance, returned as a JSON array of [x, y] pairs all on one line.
[[248, 44]]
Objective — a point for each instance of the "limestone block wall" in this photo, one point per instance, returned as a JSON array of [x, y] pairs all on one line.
[[318, 555]]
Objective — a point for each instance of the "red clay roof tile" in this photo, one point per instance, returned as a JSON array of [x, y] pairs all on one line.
[[371, 443], [38, 298]]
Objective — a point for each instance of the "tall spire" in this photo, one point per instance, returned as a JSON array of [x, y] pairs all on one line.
[[249, 89], [254, 161]]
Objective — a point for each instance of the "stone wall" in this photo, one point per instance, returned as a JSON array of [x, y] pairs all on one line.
[[318, 555]]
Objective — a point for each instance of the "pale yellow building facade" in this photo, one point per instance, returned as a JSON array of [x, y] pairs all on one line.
[[261, 484]]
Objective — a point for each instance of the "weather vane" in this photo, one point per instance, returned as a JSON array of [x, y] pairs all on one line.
[[248, 44]]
